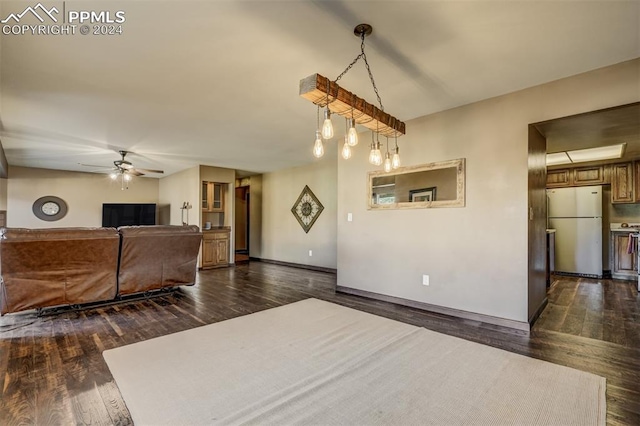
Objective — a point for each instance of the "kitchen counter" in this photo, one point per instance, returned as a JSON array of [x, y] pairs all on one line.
[[617, 227], [217, 228], [551, 231]]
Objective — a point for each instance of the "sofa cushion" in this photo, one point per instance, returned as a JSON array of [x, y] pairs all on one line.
[[59, 266], [154, 257]]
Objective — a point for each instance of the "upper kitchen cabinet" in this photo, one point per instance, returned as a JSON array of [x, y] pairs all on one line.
[[213, 197], [578, 176], [637, 179], [558, 178], [589, 175], [622, 183]]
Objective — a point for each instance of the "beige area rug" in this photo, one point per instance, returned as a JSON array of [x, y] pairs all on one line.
[[314, 362]]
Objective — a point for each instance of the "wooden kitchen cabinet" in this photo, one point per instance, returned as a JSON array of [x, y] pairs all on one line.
[[622, 188], [578, 176], [215, 248], [213, 197], [558, 178], [636, 167], [588, 176], [624, 264]]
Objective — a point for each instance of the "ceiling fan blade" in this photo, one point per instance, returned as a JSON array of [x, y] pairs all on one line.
[[93, 165], [134, 172], [150, 170]]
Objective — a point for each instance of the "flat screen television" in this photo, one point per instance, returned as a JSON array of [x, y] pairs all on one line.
[[128, 214]]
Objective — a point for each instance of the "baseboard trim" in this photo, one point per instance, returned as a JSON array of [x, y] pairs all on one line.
[[510, 326], [538, 311], [295, 265]]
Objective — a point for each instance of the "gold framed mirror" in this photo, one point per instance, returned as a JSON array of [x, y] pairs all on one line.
[[440, 184]]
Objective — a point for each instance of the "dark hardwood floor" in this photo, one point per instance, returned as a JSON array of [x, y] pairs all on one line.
[[52, 370]]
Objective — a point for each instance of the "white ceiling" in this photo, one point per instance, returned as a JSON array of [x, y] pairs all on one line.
[[216, 82]]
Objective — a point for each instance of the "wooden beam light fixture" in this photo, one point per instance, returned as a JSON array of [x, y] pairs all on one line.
[[335, 99]]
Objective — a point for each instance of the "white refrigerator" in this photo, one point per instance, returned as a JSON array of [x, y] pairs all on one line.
[[576, 215]]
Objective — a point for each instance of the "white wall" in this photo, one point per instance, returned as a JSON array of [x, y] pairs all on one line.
[[476, 256], [174, 190], [84, 194], [283, 238]]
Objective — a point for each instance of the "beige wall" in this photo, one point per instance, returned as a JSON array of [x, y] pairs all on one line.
[[84, 194], [476, 256], [283, 238], [620, 213], [176, 189]]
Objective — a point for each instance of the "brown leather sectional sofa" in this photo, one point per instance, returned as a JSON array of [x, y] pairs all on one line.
[[71, 266]]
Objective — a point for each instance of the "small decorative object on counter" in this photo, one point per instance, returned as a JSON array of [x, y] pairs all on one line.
[[185, 206]]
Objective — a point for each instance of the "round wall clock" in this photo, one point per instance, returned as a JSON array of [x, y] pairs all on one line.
[[49, 208]]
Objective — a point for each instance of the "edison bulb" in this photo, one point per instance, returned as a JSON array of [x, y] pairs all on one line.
[[318, 148], [387, 163], [327, 127], [346, 149], [352, 134], [395, 160], [375, 157]]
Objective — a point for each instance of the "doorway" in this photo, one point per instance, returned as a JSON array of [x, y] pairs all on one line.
[[243, 201]]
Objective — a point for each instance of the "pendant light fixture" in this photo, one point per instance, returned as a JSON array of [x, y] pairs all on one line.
[[327, 127], [387, 159], [395, 161], [346, 148], [318, 148], [336, 100], [375, 156], [352, 133]]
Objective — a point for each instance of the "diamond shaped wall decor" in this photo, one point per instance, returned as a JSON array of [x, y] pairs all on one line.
[[307, 209]]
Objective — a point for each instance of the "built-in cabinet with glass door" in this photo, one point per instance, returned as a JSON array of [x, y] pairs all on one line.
[[215, 242], [213, 197]]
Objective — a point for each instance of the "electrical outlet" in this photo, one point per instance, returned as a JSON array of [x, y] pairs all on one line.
[[310, 252], [425, 280]]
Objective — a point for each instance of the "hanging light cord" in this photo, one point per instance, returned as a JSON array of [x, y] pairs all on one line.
[[366, 63]]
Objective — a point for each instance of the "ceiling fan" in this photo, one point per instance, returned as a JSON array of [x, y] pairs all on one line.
[[125, 170], [124, 166]]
